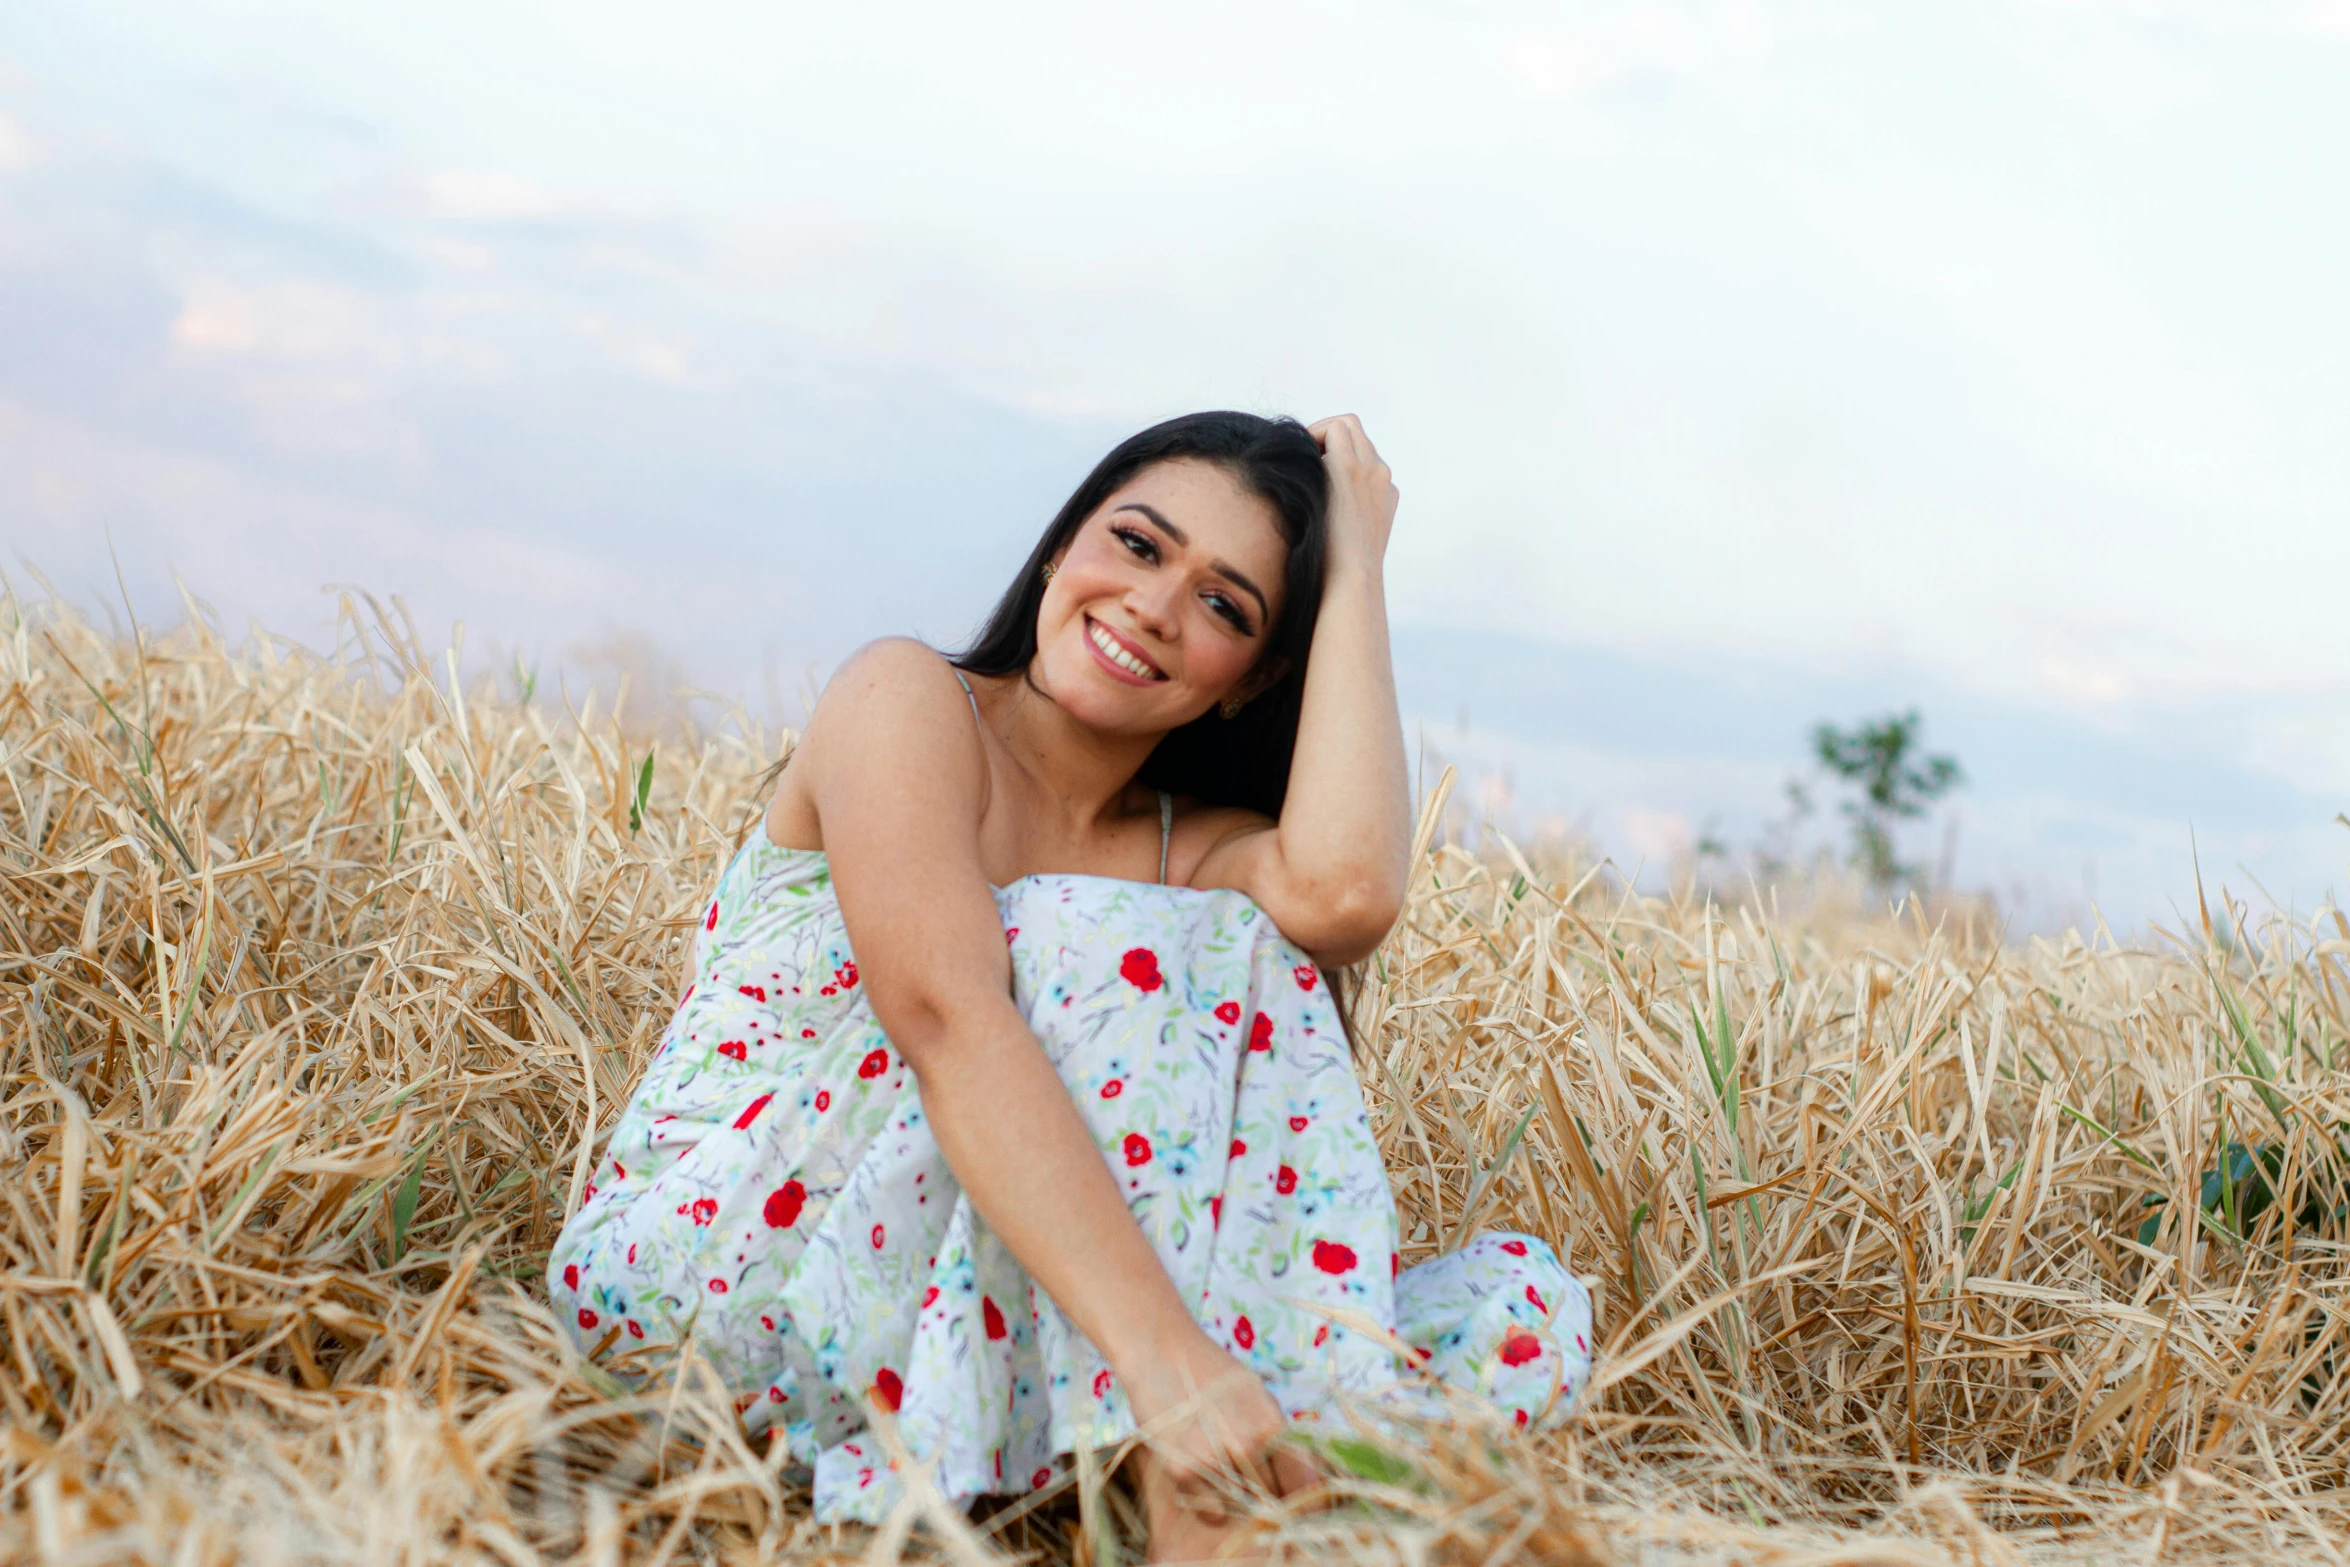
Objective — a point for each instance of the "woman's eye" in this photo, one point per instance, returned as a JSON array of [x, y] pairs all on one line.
[[1139, 543], [1230, 611]]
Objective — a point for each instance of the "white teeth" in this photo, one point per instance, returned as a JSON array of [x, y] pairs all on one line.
[[1118, 655]]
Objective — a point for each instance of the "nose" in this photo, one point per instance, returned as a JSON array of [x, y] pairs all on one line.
[[1152, 603]]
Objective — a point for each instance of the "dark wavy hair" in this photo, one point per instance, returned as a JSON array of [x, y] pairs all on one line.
[[1236, 761]]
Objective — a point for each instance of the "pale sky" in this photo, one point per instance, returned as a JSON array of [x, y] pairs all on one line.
[[1736, 359]]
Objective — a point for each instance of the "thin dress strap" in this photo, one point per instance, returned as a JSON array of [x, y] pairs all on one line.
[[967, 691], [1166, 831]]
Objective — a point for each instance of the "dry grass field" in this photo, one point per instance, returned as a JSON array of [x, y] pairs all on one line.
[[319, 975]]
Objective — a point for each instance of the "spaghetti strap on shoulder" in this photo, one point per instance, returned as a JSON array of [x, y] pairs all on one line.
[[1166, 831], [967, 691]]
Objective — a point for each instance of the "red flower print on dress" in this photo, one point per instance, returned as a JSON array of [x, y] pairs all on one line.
[[1101, 1384], [750, 1112], [1113, 1088], [1285, 1180], [878, 1237], [783, 1205], [633, 1330], [1138, 1149], [1238, 1148], [704, 1210], [775, 1395], [1521, 1417], [755, 992], [1244, 1333], [1514, 1248], [1519, 1346], [1260, 1033], [846, 976], [1297, 1123], [823, 1098], [807, 1033], [1321, 1335], [571, 1275], [1012, 934], [1039, 1480], [990, 1317], [1140, 968], [1395, 1264], [888, 1389], [587, 1318], [717, 1286], [712, 922], [875, 1063], [734, 1048], [1304, 975], [1227, 1011], [1535, 1296], [1331, 1257], [1215, 1212], [768, 1323]]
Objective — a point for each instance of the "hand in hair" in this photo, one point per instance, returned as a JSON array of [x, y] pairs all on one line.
[[1363, 495]]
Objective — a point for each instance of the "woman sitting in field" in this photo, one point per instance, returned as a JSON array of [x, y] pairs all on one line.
[[1010, 1095]]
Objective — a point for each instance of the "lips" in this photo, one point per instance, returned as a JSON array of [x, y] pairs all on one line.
[[1120, 654]]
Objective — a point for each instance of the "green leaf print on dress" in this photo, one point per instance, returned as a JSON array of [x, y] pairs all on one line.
[[773, 1192]]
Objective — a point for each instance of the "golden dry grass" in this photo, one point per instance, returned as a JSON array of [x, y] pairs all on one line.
[[319, 975]]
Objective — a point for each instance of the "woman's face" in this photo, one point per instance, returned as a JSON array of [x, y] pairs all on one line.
[[1160, 606]]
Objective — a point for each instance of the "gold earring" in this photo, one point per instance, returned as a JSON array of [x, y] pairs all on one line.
[[1231, 707], [1048, 571]]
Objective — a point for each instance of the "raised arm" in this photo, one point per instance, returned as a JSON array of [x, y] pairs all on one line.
[[1333, 872], [899, 780]]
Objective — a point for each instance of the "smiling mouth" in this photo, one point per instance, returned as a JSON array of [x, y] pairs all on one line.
[[1114, 649]]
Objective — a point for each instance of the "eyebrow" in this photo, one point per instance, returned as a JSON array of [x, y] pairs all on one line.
[[1229, 574]]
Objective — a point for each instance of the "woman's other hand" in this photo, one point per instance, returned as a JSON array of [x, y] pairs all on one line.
[[1363, 496], [1207, 1421]]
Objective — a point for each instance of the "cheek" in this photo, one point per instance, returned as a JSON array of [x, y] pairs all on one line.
[[1061, 618], [1219, 659], [1087, 575]]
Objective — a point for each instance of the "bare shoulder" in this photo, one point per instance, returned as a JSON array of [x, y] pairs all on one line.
[[890, 683], [893, 665], [1205, 839], [891, 709]]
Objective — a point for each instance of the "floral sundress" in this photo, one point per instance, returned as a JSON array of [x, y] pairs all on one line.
[[773, 1192]]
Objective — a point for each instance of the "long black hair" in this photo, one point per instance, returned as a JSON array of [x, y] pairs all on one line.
[[1224, 761]]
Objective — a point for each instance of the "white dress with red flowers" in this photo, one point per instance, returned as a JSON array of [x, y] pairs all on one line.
[[773, 1191]]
